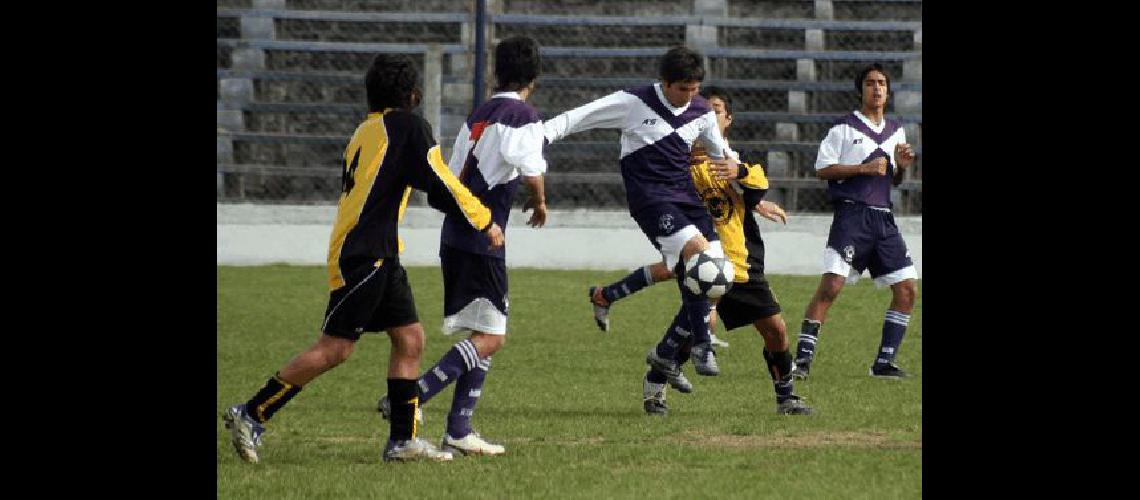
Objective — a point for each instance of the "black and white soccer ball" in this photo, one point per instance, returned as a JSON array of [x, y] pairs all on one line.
[[708, 276]]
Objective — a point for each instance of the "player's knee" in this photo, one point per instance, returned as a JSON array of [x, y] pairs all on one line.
[[336, 350], [659, 272], [408, 341], [487, 344], [695, 244], [905, 293], [827, 293]]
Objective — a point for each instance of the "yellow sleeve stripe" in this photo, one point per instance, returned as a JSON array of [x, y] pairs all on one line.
[[477, 214], [400, 217], [755, 178]]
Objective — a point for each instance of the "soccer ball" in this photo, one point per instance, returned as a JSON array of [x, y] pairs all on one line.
[[708, 276]]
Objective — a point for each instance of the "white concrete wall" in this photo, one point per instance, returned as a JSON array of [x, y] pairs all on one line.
[[572, 239]]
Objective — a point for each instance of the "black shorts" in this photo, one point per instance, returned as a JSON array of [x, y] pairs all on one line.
[[747, 302], [373, 299]]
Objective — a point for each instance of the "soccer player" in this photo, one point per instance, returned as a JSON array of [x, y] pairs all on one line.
[[862, 155], [391, 152], [659, 123], [750, 300], [500, 143]]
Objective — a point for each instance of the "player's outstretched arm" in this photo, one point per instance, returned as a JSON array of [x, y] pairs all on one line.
[[607, 112], [425, 170]]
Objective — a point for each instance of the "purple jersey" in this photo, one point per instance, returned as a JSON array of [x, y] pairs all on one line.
[[656, 141], [853, 140], [500, 140]]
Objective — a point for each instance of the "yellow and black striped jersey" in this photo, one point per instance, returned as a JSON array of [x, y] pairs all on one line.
[[390, 153], [739, 234]]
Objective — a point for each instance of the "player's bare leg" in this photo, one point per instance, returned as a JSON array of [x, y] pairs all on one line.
[[603, 297]]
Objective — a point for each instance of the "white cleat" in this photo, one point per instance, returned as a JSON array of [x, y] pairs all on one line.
[[471, 444], [716, 341], [414, 449]]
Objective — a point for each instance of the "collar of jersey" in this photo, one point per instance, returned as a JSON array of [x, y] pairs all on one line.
[[661, 97], [508, 95], [878, 129]]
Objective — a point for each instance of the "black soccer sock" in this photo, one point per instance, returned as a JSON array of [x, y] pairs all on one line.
[[809, 335], [270, 398], [780, 369], [404, 399]]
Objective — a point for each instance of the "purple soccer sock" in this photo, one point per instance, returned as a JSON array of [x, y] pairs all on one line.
[[458, 360], [677, 335], [467, 392], [894, 328], [698, 309], [629, 285]]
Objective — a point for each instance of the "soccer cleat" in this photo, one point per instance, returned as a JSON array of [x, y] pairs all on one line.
[[800, 370], [704, 359], [245, 432], [667, 366], [471, 444], [385, 409], [601, 313], [655, 406], [680, 383], [794, 405], [716, 341], [888, 371], [413, 449]]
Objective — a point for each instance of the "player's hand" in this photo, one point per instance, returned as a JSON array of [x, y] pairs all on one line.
[[878, 166], [772, 212], [495, 234], [725, 169], [538, 218], [904, 155]]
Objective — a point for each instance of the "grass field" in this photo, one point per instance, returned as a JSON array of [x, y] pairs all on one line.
[[565, 399]]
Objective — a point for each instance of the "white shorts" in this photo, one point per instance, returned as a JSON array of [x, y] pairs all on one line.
[[671, 245], [833, 263], [480, 315]]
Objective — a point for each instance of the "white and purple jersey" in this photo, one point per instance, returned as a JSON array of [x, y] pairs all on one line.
[[501, 139], [853, 140], [656, 141]]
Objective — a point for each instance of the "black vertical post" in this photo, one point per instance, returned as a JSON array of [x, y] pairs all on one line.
[[480, 51]]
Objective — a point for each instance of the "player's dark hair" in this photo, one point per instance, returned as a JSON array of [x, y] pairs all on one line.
[[713, 91], [863, 75], [517, 63], [681, 64], [391, 83]]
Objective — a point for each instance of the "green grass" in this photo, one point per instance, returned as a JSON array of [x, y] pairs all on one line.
[[565, 399]]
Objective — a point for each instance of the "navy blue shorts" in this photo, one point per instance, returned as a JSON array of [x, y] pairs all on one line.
[[468, 276], [663, 223], [867, 239], [372, 299]]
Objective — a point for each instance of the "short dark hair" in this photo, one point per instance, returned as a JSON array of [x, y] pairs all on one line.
[[392, 83], [682, 64], [863, 76], [517, 63], [713, 91]]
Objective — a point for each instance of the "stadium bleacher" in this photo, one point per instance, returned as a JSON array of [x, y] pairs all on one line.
[[290, 81]]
